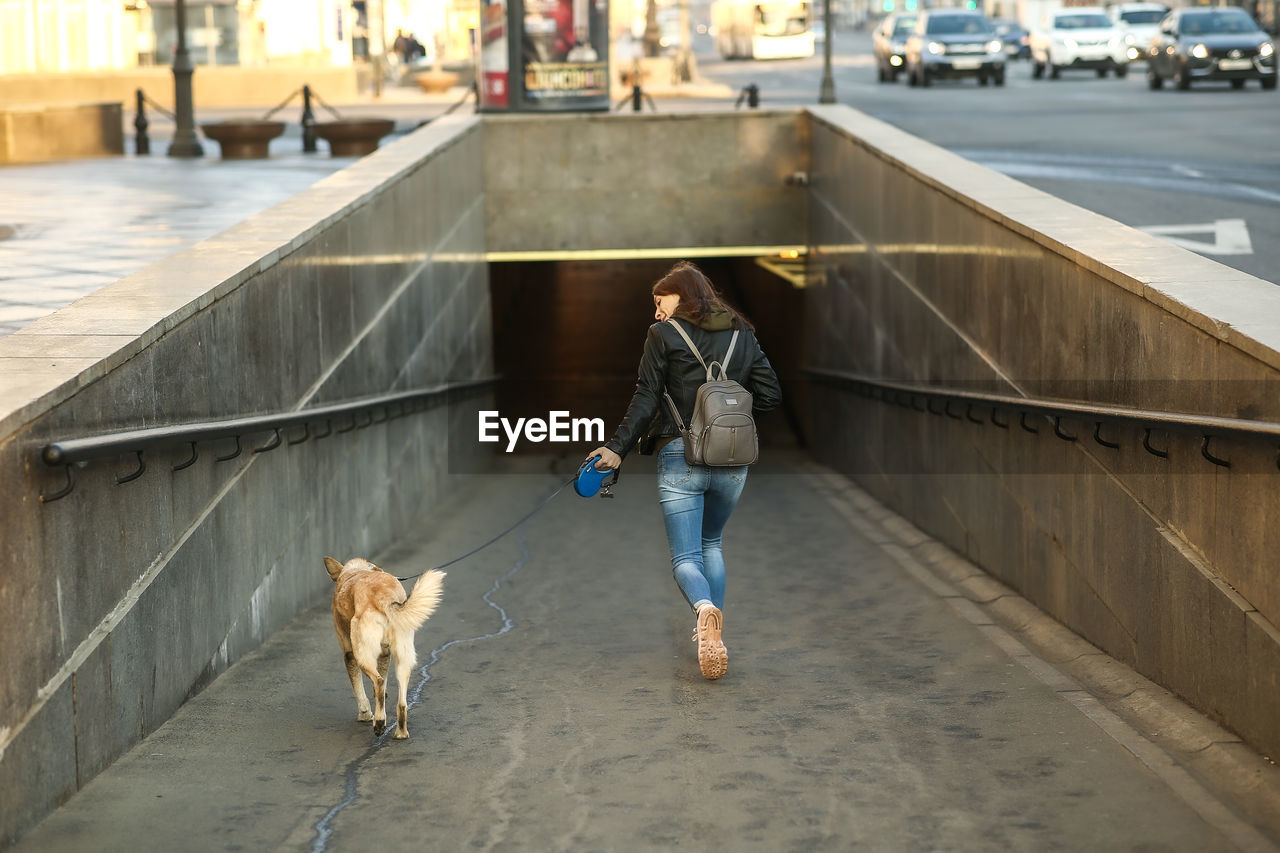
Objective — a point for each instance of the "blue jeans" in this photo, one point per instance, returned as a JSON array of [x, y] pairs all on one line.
[[696, 504]]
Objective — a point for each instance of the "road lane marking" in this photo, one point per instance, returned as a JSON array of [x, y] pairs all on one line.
[[1230, 236]]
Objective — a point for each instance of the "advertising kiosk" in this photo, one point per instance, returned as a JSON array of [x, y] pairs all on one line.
[[543, 55]]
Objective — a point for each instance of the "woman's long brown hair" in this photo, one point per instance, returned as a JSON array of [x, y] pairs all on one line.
[[698, 297]]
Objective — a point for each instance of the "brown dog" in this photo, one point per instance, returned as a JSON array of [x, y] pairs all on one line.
[[375, 620]]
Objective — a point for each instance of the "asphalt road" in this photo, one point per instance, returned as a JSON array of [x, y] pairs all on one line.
[[1200, 166]]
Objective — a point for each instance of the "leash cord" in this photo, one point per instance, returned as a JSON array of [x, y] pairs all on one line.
[[521, 521]]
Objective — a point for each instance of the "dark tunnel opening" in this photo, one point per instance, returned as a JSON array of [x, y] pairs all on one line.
[[567, 336]]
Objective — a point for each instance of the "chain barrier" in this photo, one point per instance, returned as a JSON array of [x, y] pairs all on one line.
[[282, 104], [460, 101], [321, 101]]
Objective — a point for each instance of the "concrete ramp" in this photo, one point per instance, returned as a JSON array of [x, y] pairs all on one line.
[[559, 706]]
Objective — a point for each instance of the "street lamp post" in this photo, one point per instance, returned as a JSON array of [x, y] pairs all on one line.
[[828, 93], [185, 142]]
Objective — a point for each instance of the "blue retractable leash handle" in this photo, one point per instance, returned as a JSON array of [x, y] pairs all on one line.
[[589, 479]]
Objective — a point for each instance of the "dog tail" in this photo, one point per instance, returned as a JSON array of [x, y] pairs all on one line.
[[418, 607]]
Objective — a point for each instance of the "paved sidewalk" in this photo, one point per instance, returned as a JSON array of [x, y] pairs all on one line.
[[557, 706], [69, 228]]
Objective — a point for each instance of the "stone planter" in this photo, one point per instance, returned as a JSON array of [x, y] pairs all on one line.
[[353, 137], [243, 138], [436, 81]]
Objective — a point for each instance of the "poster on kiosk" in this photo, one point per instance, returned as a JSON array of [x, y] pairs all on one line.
[[544, 55]]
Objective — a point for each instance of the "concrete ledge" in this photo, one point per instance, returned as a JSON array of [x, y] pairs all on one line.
[[42, 133]]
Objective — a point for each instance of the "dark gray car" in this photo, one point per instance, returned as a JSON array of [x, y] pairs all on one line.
[[1211, 43], [954, 43]]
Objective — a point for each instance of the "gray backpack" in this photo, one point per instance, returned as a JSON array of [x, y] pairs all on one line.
[[722, 431]]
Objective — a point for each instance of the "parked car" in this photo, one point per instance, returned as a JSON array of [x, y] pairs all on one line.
[[1211, 43], [954, 43], [1139, 23], [1078, 38], [1016, 40], [890, 44]]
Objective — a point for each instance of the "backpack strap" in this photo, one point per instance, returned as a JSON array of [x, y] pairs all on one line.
[[675, 413], [688, 340]]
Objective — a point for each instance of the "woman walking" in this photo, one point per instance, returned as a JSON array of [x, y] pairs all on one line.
[[697, 500]]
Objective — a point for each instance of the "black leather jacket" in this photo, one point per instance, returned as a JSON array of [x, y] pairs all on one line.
[[667, 362]]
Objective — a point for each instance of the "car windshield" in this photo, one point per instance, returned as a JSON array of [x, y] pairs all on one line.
[[1226, 21], [1083, 21], [1146, 16], [903, 27], [954, 25]]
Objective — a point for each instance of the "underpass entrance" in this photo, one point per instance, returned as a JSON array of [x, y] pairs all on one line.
[[567, 334]]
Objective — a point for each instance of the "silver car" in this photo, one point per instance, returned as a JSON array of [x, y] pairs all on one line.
[[890, 44]]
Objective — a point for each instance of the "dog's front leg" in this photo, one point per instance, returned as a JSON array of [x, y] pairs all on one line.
[[380, 691], [357, 686]]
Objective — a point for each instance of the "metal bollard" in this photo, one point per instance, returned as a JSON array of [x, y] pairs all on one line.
[[751, 93], [140, 125], [637, 95], [308, 122]]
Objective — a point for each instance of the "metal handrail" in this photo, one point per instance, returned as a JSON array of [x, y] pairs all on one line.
[[1208, 426], [80, 450]]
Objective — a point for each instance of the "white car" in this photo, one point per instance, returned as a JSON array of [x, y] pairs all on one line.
[[1080, 37], [1139, 23]]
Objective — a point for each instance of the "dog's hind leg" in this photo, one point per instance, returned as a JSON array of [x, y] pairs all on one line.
[[371, 654], [353, 669], [380, 691], [357, 686], [405, 659]]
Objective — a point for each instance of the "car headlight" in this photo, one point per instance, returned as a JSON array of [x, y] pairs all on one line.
[[1071, 43], [937, 48], [1200, 52], [1129, 39], [1266, 49], [898, 46], [995, 46]]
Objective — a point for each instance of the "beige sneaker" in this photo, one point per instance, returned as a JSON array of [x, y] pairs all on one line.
[[713, 659]]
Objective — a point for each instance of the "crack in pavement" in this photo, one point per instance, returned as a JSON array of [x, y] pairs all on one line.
[[324, 827]]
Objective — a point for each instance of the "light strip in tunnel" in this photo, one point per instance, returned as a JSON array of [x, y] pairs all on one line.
[[925, 249], [646, 254]]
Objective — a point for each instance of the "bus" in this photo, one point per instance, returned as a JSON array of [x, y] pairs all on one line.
[[769, 29]]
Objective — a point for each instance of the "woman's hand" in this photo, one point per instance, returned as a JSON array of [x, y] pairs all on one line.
[[608, 459]]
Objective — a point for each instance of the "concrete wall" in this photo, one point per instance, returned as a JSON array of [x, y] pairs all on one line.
[[632, 182], [39, 134], [215, 86], [119, 601], [942, 271]]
